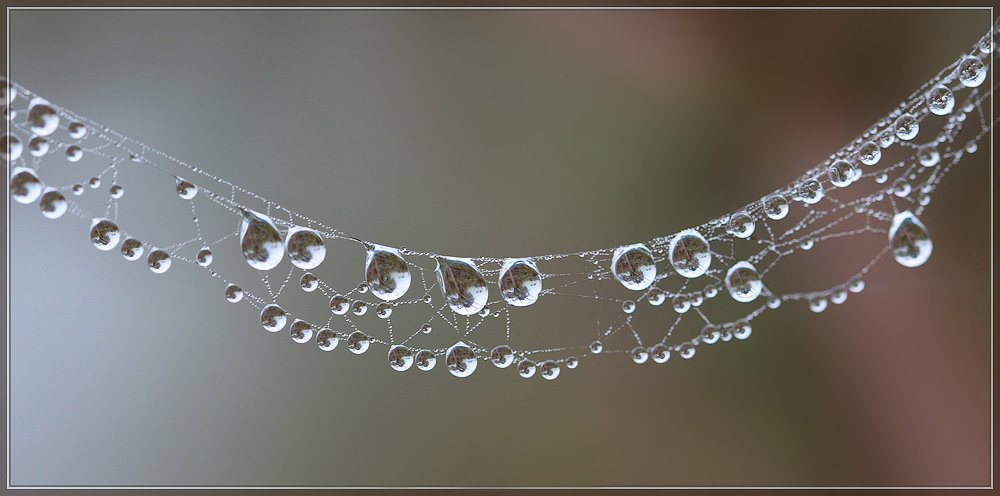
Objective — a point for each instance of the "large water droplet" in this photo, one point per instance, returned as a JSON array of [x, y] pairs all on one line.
[[907, 127], [25, 187], [841, 173], [104, 234], [743, 282], [10, 148], [42, 118], [520, 282], [461, 360], [339, 304], [462, 285], [386, 272], [810, 191], [301, 331], [940, 100], [38, 146], [233, 293], [869, 153], [400, 358], [132, 249], [549, 369], [53, 204], [910, 242], [158, 261], [740, 225], [273, 318], [775, 207], [690, 254], [634, 267], [261, 243], [972, 71], [928, 156], [327, 339], [358, 342], [306, 249], [502, 356], [526, 368]]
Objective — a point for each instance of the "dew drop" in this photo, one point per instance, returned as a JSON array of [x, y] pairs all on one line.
[[94, 182], [38, 146], [308, 282], [526, 368], [549, 369], [301, 331], [901, 187], [186, 189], [775, 206], [42, 118], [359, 308], [660, 353], [362, 288], [158, 261], [233, 292], [53, 204], [687, 351], [886, 138], [400, 358], [572, 362], [25, 187], [327, 339], [628, 306], [681, 304], [742, 330], [697, 299], [711, 291], [743, 282], [104, 234], [383, 310], [117, 191], [640, 354], [132, 249], [272, 317], [907, 127], [709, 334], [77, 130], [339, 305], [425, 360], [305, 247], [773, 302], [634, 267], [502, 356], [740, 225], [386, 273], [971, 71], [817, 303], [928, 156], [460, 360], [462, 285], [810, 191], [838, 296], [78, 189], [74, 153], [856, 285], [881, 177], [656, 297], [596, 347], [426, 328], [204, 257], [10, 148], [690, 254], [841, 173], [520, 282], [261, 243], [940, 100], [485, 312], [869, 153], [971, 147], [910, 242], [807, 244], [358, 342]]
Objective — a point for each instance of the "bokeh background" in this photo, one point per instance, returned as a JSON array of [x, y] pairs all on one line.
[[409, 127]]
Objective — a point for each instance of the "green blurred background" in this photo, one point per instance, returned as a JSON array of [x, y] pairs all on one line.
[[410, 127]]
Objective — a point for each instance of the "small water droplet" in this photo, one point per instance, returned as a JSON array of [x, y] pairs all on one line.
[[740, 225], [596, 347], [856, 285], [233, 292], [359, 308], [682, 303], [53, 204], [640, 354], [260, 241], [10, 148], [204, 257], [901, 187], [907, 127], [386, 273], [572, 362], [502, 356], [940, 100], [132, 249], [971, 147], [634, 267], [74, 153], [817, 303], [841, 173], [383, 310], [25, 187], [628, 306], [77, 130], [301, 331], [400, 358], [660, 353], [308, 282], [910, 242], [549, 370], [928, 156], [807, 244], [690, 254], [327, 339], [462, 285], [117, 191], [460, 360], [687, 351], [273, 318], [158, 261], [186, 189], [775, 206], [742, 330], [305, 248], [94, 182], [104, 234], [838, 296], [881, 177], [42, 118], [526, 368], [426, 328], [810, 191], [358, 342], [886, 138], [743, 282], [520, 282], [38, 146], [78, 189], [773, 302], [425, 360], [339, 305], [656, 297], [971, 71], [869, 153]]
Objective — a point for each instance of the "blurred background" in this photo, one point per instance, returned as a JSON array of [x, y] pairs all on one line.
[[410, 127]]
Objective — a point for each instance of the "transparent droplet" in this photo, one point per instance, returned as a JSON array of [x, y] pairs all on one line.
[[186, 189], [301, 331], [327, 339], [640, 354], [158, 261], [841, 173], [38, 146], [462, 285], [549, 369], [117, 191], [425, 360], [273, 318], [901, 187], [869, 153], [485, 312], [132, 249], [690, 254], [697, 299], [400, 358], [687, 351], [386, 273], [78, 189], [910, 242], [25, 187], [572, 362], [358, 342], [711, 291], [339, 304], [104, 234], [740, 225], [743, 282], [233, 293], [907, 127], [77, 130], [526, 368], [838, 296], [359, 308], [775, 207], [53, 204], [520, 282], [940, 100], [362, 288], [74, 153], [10, 148], [971, 71], [460, 360], [660, 353], [634, 267], [742, 330], [204, 257], [656, 297], [305, 248], [856, 285], [726, 332], [426, 328], [971, 147], [596, 347], [42, 118], [709, 334], [807, 244], [682, 303], [810, 191], [986, 44], [94, 182], [383, 310], [886, 138], [817, 303], [309, 282], [502, 356], [881, 177], [928, 156], [628, 306], [260, 241], [773, 302]]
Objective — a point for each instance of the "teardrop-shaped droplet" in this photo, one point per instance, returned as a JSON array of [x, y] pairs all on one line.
[[10, 148], [940, 100], [744, 282], [327, 339], [400, 358], [132, 249], [526, 368], [53, 204], [775, 207], [104, 234], [204, 257], [869, 153], [301, 331], [358, 342], [261, 243], [520, 282], [740, 225], [425, 360], [273, 318], [186, 189], [25, 187], [634, 267], [907, 127], [42, 118], [549, 369], [462, 285], [910, 242], [387, 274], [234, 293], [461, 360], [305, 246], [158, 261], [502, 356], [690, 254], [971, 71]]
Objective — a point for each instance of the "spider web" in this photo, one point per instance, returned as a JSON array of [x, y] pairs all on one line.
[[854, 201]]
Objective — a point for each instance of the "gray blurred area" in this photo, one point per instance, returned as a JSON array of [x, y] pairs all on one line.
[[494, 133]]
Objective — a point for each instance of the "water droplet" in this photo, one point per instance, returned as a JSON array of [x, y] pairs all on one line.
[[856, 285], [204, 257], [687, 351], [743, 282], [901, 187], [971, 147], [807, 244], [940, 100], [260, 241], [775, 206], [74, 153], [549, 369], [986, 44], [869, 153], [484, 312], [810, 191], [362, 288], [660, 353], [359, 308], [907, 127], [742, 330], [132, 249], [656, 297], [77, 130], [400, 358], [158, 261], [928, 156], [881, 177], [640, 354], [273, 318], [520, 282], [690, 254], [305, 247], [42, 118], [339, 305], [425, 360], [773, 302], [726, 333], [910, 242], [817, 303], [10, 148], [117, 191], [462, 285], [38, 146], [709, 334], [628, 306], [697, 299], [572, 362], [634, 267], [711, 290], [301, 331], [839, 296], [526, 368], [309, 282], [327, 339], [94, 182], [104, 234], [502, 356], [841, 173], [53, 204], [77, 189], [682, 303], [886, 138], [25, 187], [233, 292], [596, 347], [386, 272], [740, 225], [971, 71], [383, 310], [358, 342], [428, 299], [426, 328], [186, 189], [460, 360]]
